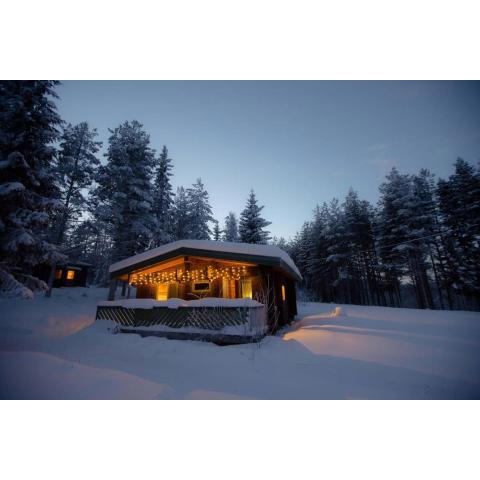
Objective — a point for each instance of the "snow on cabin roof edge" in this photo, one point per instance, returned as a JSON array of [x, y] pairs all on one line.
[[259, 250]]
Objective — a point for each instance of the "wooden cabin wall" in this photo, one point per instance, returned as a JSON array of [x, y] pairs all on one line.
[[146, 291], [286, 309]]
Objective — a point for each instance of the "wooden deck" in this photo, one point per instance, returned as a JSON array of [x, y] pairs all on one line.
[[190, 323]]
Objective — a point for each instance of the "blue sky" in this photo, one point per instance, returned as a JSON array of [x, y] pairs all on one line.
[[295, 143]]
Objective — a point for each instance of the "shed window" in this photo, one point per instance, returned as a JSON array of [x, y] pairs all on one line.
[[283, 293], [58, 274], [70, 274]]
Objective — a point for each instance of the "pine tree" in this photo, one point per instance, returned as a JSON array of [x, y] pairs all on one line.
[[230, 231], [163, 200], [200, 211], [124, 190], [217, 233], [75, 166], [279, 242], [252, 225], [362, 260], [392, 232], [401, 229], [181, 215], [90, 241], [459, 204], [28, 187]]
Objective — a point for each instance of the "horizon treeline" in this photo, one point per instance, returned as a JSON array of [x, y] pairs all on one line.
[[419, 246]]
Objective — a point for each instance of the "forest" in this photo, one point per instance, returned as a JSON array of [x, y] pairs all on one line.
[[418, 247]]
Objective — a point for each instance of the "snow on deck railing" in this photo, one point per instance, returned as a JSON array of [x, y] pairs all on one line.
[[177, 302], [213, 312]]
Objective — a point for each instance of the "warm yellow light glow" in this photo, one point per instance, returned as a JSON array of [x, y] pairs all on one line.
[[70, 274], [208, 273], [283, 292], [246, 288], [162, 291]]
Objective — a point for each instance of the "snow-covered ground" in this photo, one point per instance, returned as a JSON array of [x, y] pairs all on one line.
[[52, 348]]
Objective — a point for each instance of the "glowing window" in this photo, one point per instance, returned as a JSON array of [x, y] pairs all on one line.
[[283, 292], [58, 274], [246, 289], [70, 274], [162, 291]]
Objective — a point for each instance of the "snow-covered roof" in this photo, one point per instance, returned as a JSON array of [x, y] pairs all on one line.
[[201, 247]]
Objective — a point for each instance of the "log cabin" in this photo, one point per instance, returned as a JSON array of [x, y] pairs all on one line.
[[221, 291]]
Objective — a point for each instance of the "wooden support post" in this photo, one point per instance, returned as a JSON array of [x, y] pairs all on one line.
[[113, 287]]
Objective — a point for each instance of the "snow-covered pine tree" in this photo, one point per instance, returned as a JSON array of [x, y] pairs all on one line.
[[124, 190], [314, 245], [279, 242], [459, 202], [338, 254], [28, 187], [251, 228], [391, 228], [163, 199], [230, 231], [401, 231], [181, 215], [90, 242], [217, 233], [75, 167], [363, 264], [200, 211]]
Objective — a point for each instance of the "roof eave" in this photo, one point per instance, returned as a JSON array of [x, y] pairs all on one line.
[[188, 251]]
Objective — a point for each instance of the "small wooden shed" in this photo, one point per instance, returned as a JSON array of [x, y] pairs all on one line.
[[70, 274], [193, 276]]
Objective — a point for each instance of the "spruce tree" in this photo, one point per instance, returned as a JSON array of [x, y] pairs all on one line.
[[459, 204], [230, 231], [75, 167], [251, 228], [124, 190], [200, 211], [181, 215], [163, 199], [217, 233], [29, 190]]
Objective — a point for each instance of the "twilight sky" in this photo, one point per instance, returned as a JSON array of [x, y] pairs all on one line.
[[295, 143]]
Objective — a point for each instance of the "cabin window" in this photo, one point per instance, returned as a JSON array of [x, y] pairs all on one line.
[[70, 274], [201, 287], [162, 291], [246, 288], [283, 293], [225, 287], [58, 274]]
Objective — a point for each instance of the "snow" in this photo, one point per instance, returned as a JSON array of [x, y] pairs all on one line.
[[52, 348], [53, 378], [228, 247], [9, 187], [175, 303]]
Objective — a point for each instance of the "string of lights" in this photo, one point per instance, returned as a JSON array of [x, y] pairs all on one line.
[[208, 273]]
